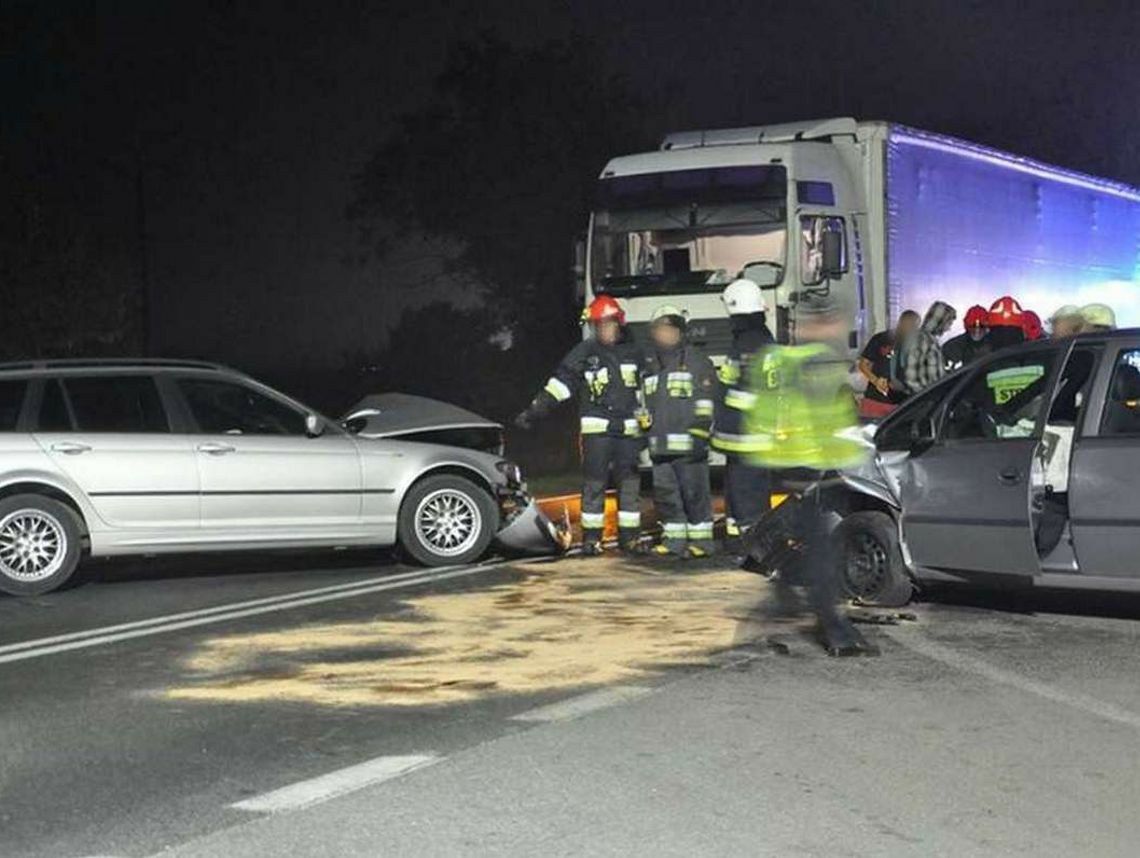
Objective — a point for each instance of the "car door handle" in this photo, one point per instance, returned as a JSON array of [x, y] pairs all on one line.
[[70, 448], [215, 449], [1010, 476]]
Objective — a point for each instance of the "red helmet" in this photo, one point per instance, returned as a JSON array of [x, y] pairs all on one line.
[[977, 317], [605, 307], [1031, 325], [1005, 313]]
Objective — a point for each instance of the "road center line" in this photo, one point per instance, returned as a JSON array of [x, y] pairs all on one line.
[[959, 661], [94, 639], [334, 784], [583, 704], [214, 609]]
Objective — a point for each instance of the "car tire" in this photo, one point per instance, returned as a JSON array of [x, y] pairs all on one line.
[[871, 566], [447, 520], [40, 544]]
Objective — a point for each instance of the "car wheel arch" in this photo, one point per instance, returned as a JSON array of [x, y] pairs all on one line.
[[50, 490], [453, 469]]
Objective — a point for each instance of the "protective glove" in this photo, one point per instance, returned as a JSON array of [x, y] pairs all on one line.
[[524, 421]]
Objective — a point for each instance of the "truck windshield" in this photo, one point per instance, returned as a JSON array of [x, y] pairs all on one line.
[[686, 231]]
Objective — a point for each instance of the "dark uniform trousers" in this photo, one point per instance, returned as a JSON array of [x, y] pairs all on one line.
[[683, 500], [747, 492], [604, 456]]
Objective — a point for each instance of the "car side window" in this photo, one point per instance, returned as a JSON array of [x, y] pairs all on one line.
[[1072, 390], [11, 403], [1122, 405], [1002, 399], [226, 408], [54, 415], [116, 403], [898, 432]]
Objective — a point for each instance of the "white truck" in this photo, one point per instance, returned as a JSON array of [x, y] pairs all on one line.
[[885, 216]]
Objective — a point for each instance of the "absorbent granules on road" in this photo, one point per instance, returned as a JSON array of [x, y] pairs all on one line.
[[577, 623]]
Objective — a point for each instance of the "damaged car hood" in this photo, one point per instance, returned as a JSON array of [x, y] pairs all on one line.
[[419, 418]]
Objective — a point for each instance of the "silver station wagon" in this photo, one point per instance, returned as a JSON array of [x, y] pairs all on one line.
[[144, 457]]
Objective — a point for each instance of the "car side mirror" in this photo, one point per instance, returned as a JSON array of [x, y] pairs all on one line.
[[314, 426], [355, 422]]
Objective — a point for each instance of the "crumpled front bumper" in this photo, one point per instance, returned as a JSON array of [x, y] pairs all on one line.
[[527, 530]]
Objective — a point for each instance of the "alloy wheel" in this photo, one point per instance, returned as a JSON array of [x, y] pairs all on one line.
[[448, 522], [33, 545]]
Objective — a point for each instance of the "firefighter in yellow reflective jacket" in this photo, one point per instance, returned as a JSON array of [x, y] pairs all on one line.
[[680, 388], [803, 413], [803, 416], [605, 373]]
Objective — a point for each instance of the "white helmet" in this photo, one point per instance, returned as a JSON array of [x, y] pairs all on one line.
[[742, 297]]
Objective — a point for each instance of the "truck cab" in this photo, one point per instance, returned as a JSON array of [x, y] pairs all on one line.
[[679, 224]]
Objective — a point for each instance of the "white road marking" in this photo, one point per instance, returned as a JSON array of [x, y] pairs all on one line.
[[221, 614], [584, 704], [215, 609], [334, 784], [913, 641]]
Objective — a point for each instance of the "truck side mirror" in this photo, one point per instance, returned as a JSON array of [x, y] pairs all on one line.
[[766, 275], [579, 268], [832, 264]]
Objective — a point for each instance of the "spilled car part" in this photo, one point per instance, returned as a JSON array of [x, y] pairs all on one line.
[[525, 529]]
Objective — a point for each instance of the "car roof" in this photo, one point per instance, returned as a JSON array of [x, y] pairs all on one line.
[[50, 364], [1092, 337]]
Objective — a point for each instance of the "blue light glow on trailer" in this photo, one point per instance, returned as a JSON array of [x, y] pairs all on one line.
[[968, 224]]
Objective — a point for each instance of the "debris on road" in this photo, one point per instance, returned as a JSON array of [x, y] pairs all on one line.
[[578, 623]]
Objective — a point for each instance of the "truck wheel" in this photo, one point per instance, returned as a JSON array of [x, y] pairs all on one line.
[[871, 565], [447, 520], [40, 544]]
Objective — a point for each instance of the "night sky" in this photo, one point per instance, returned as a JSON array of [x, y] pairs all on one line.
[[248, 121]]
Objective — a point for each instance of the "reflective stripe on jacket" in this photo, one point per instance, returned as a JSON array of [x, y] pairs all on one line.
[[606, 380], [735, 400], [680, 388]]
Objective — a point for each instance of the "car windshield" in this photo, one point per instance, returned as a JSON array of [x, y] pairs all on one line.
[[686, 231]]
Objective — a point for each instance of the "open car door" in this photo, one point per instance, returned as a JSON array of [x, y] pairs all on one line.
[[966, 498], [1104, 501]]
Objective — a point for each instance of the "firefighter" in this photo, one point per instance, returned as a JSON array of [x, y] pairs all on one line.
[[966, 348], [1031, 326], [1066, 321], [605, 371], [803, 416], [680, 387], [1007, 323], [747, 488]]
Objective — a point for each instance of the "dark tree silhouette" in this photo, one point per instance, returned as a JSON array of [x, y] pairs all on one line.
[[445, 353], [503, 157]]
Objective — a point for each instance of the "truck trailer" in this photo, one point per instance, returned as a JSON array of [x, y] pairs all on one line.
[[913, 217]]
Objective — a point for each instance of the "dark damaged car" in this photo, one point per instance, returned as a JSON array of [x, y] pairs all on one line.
[[1021, 469]]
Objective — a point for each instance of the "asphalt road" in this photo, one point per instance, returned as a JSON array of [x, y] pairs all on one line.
[[344, 705]]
